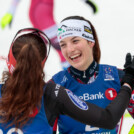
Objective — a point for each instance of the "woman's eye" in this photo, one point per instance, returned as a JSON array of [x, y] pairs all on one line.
[[75, 41], [62, 45]]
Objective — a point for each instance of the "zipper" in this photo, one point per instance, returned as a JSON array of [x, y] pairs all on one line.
[[84, 74]]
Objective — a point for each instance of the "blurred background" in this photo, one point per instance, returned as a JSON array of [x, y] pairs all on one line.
[[114, 23]]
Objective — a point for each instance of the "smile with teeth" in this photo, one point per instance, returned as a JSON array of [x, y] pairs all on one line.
[[75, 56]]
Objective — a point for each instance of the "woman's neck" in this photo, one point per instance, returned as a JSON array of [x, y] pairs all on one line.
[[85, 76]]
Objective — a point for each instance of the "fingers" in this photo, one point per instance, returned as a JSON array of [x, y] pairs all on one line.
[[128, 60]]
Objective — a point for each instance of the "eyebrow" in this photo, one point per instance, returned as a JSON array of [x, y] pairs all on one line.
[[71, 39], [74, 37]]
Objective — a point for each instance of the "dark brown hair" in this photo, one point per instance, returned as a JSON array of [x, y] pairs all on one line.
[[96, 48], [23, 89]]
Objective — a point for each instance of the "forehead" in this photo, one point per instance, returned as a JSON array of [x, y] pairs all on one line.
[[70, 38]]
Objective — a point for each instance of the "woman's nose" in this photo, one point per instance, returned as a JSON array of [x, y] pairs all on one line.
[[70, 47]]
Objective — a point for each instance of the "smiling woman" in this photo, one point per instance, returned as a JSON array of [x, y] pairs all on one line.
[[91, 81]]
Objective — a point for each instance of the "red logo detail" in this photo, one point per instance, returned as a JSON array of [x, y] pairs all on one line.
[[110, 93]]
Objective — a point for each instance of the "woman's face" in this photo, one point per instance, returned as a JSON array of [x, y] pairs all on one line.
[[77, 51]]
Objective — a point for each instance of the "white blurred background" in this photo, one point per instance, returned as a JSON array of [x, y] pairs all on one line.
[[114, 24]]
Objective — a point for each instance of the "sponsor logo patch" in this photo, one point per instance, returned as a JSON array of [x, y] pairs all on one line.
[[87, 29], [108, 74], [87, 36], [78, 102], [65, 28]]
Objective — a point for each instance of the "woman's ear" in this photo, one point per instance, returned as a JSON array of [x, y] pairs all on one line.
[[91, 44]]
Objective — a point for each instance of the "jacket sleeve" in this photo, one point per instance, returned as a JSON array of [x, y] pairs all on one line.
[[69, 104]]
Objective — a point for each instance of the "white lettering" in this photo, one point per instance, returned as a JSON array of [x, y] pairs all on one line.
[[87, 96], [57, 86], [64, 79]]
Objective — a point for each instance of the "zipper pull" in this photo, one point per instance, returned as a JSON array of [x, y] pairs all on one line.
[[84, 74]]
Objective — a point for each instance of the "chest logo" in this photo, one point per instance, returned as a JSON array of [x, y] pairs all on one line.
[[108, 73], [78, 102]]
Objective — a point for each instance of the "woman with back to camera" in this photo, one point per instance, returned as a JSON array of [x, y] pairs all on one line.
[[91, 81], [28, 105]]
